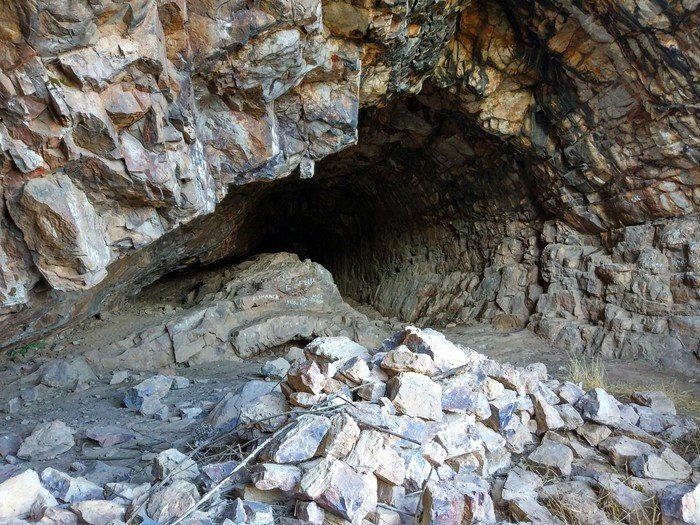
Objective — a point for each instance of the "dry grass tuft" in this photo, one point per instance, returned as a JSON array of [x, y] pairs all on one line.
[[649, 512], [589, 372], [688, 446]]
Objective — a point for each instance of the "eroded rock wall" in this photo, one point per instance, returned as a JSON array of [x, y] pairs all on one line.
[[518, 162]]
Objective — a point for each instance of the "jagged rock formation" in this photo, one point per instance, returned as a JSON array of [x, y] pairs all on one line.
[[241, 311], [528, 163]]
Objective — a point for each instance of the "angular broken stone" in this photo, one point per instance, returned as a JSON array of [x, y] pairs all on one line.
[[306, 376], [546, 415], [570, 416], [629, 414], [655, 400], [336, 487], [680, 504], [415, 395], [599, 407], [47, 441], [391, 467], [333, 349], [528, 510], [59, 516], [372, 391], [367, 454], [155, 387], [417, 471], [354, 371], [341, 436], [110, 435], [435, 453], [452, 502], [99, 512], [401, 359], [552, 456], [172, 501], [9, 444], [623, 449], [306, 400], [153, 406], [638, 508], [69, 489], [593, 433], [119, 376], [43, 500], [445, 354], [570, 392], [666, 465], [268, 476], [276, 369], [302, 441], [503, 415], [521, 483], [213, 473], [310, 512], [65, 373], [173, 464], [249, 492], [458, 438], [506, 374], [655, 422], [125, 492], [17, 495], [252, 513], [257, 401]]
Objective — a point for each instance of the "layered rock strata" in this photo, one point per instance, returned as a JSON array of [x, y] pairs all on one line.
[[549, 168]]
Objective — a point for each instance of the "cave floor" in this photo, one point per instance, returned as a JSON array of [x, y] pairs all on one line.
[[100, 404]]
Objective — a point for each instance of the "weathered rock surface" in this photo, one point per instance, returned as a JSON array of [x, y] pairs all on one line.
[[47, 441], [17, 495], [241, 311], [525, 163]]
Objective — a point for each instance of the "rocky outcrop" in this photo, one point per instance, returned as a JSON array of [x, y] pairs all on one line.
[[527, 163], [264, 303]]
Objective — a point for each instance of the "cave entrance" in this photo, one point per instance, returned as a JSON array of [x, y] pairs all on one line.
[[426, 219]]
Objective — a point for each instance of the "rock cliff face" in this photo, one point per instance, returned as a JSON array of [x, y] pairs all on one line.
[[527, 163]]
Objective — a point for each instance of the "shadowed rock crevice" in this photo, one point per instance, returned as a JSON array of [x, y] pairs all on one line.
[[419, 219]]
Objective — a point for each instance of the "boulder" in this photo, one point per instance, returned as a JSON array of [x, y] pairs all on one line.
[[306, 376], [552, 456], [47, 441], [268, 476], [680, 504], [172, 501], [332, 349], [17, 495], [401, 359], [336, 487], [173, 464], [599, 407], [302, 441], [69, 489], [415, 395], [655, 400]]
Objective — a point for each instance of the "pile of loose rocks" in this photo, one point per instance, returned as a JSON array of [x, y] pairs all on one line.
[[418, 431]]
